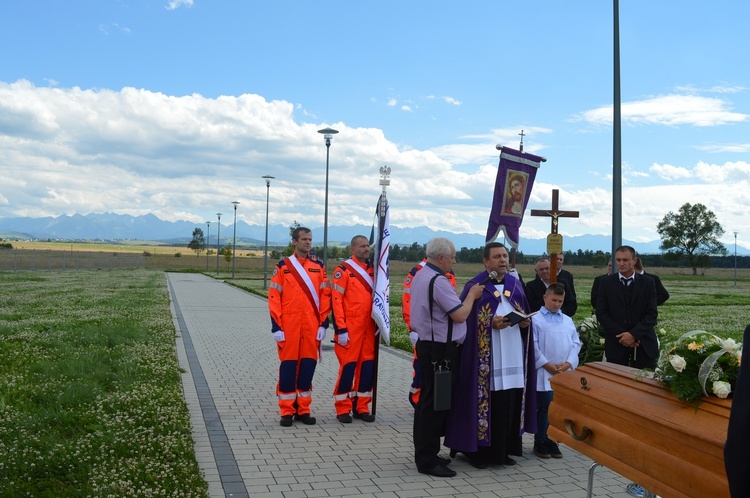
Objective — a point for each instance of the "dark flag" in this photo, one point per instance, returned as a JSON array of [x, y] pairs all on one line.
[[515, 178]]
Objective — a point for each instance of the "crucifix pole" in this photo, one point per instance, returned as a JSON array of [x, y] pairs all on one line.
[[554, 240]]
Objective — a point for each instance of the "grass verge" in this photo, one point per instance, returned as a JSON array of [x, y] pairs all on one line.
[[91, 402]]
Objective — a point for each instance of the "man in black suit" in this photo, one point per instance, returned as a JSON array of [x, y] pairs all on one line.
[[626, 308], [661, 292], [536, 288], [738, 433], [567, 277]]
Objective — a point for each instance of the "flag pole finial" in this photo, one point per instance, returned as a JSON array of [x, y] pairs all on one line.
[[520, 149], [385, 173]]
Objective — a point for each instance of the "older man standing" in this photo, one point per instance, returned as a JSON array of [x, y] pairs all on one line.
[[535, 289], [496, 398], [436, 313]]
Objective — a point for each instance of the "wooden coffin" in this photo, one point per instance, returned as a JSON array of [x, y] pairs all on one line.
[[642, 431]]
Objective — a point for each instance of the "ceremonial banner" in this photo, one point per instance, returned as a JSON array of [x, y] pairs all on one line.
[[381, 292], [515, 178]]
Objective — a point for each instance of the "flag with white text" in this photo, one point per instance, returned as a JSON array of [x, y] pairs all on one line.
[[515, 178], [382, 288]]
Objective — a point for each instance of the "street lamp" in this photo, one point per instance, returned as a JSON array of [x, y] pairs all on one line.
[[268, 179], [218, 237], [208, 241], [328, 134], [735, 259], [234, 239]]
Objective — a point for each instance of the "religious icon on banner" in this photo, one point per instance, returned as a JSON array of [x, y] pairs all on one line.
[[515, 192]]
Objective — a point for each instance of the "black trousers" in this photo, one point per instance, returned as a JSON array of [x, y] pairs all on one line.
[[429, 425]]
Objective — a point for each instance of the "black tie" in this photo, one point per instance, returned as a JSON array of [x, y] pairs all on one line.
[[626, 281]]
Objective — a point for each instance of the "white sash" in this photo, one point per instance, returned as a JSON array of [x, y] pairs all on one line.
[[305, 278], [362, 273]]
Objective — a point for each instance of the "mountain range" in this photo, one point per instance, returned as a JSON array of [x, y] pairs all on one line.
[[119, 227]]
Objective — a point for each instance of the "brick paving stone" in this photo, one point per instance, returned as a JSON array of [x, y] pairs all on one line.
[[232, 348]]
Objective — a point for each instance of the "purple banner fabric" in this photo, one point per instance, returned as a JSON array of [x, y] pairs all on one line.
[[515, 179]]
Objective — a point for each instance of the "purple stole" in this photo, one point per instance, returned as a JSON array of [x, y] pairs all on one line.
[[468, 422]]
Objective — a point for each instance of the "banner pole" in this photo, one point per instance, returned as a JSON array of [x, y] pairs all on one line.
[[385, 172]]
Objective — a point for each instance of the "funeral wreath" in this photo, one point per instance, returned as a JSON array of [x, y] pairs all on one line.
[[700, 364]]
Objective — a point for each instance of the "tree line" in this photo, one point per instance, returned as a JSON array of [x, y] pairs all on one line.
[[690, 238]]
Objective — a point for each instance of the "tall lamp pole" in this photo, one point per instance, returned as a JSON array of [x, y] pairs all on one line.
[[735, 259], [268, 179], [208, 241], [328, 134], [234, 238], [218, 237]]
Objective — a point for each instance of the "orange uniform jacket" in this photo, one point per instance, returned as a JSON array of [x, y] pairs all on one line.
[[293, 311]]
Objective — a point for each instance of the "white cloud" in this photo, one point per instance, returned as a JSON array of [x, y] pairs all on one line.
[[669, 110], [669, 172], [392, 102], [707, 173], [176, 4], [406, 108], [738, 148]]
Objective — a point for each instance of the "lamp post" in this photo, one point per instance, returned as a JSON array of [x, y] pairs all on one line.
[[328, 134], [218, 237], [208, 241], [735, 259], [268, 179], [234, 238]]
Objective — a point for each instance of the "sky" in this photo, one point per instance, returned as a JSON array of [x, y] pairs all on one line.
[[179, 107]]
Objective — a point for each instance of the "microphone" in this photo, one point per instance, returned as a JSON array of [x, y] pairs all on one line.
[[491, 276]]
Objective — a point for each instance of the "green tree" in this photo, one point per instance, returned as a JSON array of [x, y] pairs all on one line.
[[226, 251], [198, 243], [692, 233]]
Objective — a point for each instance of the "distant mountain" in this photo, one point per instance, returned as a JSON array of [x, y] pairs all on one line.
[[112, 227]]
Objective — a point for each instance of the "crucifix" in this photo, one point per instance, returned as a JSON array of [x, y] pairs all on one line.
[[520, 149], [554, 240]]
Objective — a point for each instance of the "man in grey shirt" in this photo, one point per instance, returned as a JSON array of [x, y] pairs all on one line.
[[432, 329]]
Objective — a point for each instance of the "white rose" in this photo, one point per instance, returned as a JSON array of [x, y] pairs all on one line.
[[728, 345], [678, 362], [722, 389]]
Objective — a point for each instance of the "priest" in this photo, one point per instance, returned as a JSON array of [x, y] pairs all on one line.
[[494, 400]]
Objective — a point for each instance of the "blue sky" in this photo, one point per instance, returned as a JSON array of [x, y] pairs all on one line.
[[179, 107]]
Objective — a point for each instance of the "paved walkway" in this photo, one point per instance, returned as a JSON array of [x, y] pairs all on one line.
[[225, 346]]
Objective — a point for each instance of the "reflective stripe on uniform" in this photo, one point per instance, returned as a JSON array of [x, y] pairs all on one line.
[[305, 394], [339, 289], [340, 397], [365, 395], [276, 286], [288, 396]]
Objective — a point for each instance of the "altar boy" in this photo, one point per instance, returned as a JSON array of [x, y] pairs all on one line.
[[556, 345]]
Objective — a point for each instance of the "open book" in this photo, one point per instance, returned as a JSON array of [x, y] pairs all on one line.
[[516, 316]]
